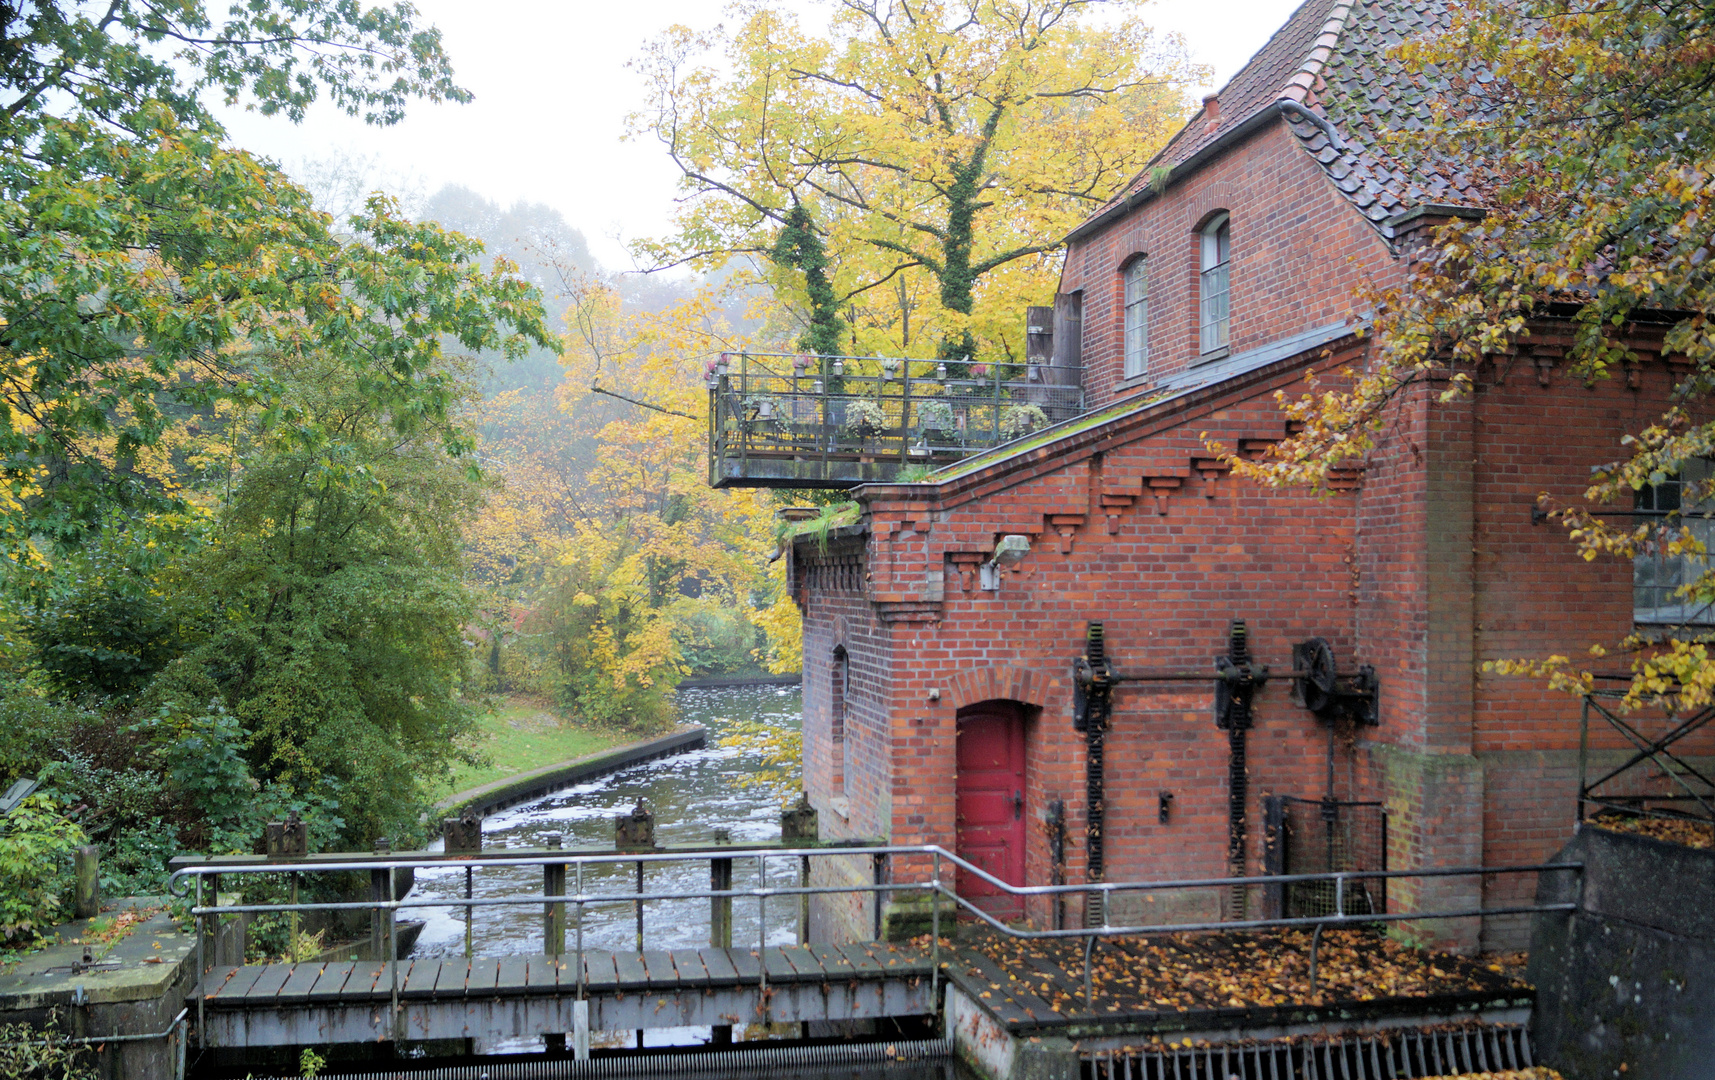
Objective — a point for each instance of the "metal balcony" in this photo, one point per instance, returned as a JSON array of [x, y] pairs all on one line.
[[782, 420]]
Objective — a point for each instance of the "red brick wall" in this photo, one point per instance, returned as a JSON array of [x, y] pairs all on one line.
[[1429, 569], [1297, 249]]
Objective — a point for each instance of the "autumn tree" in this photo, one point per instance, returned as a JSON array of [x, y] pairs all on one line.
[[927, 148], [144, 261], [1588, 130]]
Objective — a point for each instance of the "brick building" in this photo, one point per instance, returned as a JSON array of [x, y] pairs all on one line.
[[1194, 300]]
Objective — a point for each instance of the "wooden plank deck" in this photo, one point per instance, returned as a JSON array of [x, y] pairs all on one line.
[[349, 1001]]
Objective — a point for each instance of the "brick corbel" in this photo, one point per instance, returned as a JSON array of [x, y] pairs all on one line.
[[1066, 526], [1212, 469], [1113, 506], [1161, 487]]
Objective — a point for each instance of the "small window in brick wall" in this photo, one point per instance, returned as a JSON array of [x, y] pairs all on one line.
[[841, 677], [1214, 290], [1658, 573], [1136, 317]]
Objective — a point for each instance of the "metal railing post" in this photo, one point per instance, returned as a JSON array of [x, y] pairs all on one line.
[[580, 919], [878, 869], [468, 911], [935, 932], [202, 966], [762, 922]]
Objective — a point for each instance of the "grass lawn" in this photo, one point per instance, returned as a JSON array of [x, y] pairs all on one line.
[[521, 735]]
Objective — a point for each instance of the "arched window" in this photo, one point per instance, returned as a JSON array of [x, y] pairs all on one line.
[[840, 683], [1214, 289], [1137, 317]]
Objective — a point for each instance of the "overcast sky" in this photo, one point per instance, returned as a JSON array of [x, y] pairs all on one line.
[[552, 92]]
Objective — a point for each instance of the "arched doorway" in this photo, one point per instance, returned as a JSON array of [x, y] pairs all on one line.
[[989, 803]]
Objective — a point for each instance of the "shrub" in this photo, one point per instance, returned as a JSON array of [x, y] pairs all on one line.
[[37, 844]]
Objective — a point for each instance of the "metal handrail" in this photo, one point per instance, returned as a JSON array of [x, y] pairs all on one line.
[[188, 878]]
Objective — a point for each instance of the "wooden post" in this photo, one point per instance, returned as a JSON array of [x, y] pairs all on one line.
[[636, 830], [464, 833], [289, 840], [720, 918], [86, 866], [554, 925], [380, 891], [798, 825], [211, 924]]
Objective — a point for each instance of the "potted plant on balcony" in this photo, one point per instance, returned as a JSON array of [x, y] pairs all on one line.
[[865, 418], [935, 426], [1017, 421]]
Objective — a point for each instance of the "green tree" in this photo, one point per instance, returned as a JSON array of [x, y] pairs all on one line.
[[144, 264], [336, 570], [1588, 130]]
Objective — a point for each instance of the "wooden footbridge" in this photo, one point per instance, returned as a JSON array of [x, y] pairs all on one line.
[[1000, 1001], [531, 996]]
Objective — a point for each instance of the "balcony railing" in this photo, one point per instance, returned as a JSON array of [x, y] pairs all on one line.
[[786, 420]]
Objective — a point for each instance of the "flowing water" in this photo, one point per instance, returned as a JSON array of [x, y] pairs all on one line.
[[691, 796]]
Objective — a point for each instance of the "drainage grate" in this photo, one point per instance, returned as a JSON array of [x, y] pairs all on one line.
[[1381, 1055], [749, 1061]]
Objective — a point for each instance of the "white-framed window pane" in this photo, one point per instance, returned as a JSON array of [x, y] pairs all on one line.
[[1214, 291], [1657, 574], [1214, 308], [1136, 318]]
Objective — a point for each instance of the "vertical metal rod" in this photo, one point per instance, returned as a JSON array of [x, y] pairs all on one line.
[[468, 908], [202, 966], [762, 922], [878, 869], [292, 928], [638, 904], [580, 917], [393, 955], [1583, 755], [1089, 989], [905, 418], [803, 900], [1315, 944], [935, 936], [1340, 895]]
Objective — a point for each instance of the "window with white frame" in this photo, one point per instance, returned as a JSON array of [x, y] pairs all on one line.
[[1137, 317], [1658, 572], [1214, 287]]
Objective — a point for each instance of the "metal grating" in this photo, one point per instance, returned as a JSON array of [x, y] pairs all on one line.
[[1382, 1055], [1321, 836]]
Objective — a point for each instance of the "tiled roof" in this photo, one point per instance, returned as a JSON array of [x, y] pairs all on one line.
[[1329, 60]]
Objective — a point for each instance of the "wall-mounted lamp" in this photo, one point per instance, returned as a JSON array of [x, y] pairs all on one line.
[[1011, 549]]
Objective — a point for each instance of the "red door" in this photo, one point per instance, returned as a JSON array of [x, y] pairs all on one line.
[[990, 803]]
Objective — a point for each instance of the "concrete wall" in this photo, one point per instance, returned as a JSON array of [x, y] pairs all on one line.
[[1626, 985]]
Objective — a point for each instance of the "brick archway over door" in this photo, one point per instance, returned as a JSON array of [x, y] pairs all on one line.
[[989, 814]]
